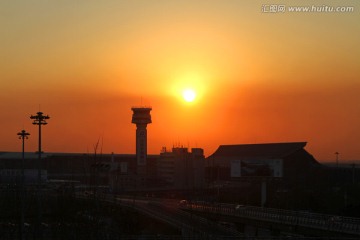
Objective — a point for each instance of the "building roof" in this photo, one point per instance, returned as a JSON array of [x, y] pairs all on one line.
[[34, 155], [264, 150]]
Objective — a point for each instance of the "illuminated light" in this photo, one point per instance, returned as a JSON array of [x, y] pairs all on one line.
[[189, 95]]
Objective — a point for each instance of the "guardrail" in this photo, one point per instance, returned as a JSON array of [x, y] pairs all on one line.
[[310, 220]]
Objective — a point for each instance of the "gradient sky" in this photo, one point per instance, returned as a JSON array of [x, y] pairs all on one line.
[[260, 77]]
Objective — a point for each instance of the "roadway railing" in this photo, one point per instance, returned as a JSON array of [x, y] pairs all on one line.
[[306, 219]]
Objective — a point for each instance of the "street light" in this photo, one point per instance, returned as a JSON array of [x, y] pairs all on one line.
[[22, 135], [39, 119]]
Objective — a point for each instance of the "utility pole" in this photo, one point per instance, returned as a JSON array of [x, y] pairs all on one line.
[[39, 119], [22, 135]]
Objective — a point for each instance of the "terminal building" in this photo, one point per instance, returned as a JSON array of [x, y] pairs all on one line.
[[175, 169], [268, 160], [88, 169], [266, 174]]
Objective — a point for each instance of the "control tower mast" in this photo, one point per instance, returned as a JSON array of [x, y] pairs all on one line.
[[141, 117]]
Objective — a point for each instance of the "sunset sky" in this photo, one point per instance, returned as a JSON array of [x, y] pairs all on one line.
[[258, 77]]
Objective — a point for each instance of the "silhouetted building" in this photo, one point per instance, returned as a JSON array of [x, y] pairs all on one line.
[[270, 174], [14, 176], [182, 169], [11, 165], [276, 160], [90, 169]]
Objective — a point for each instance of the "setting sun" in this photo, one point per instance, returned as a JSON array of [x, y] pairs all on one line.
[[189, 95]]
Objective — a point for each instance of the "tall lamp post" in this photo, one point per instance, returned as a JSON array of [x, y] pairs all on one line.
[[39, 119], [22, 135]]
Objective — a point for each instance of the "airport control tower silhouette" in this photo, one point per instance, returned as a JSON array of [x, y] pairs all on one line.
[[141, 117]]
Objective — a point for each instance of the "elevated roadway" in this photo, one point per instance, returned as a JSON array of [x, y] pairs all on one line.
[[307, 223], [168, 211]]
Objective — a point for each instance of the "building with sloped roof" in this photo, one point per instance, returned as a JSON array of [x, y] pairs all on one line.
[[287, 160], [281, 175]]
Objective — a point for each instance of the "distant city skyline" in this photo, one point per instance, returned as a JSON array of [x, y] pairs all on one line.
[[253, 76]]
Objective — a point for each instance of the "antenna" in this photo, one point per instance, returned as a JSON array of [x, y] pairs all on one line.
[[96, 147], [337, 159], [101, 147]]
